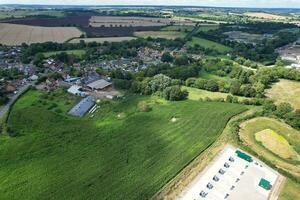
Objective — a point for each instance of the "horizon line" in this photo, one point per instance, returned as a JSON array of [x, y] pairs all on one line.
[[146, 5]]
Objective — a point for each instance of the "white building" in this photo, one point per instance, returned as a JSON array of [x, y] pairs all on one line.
[[76, 90]]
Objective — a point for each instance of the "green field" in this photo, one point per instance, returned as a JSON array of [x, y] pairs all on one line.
[[206, 28], [209, 44], [55, 156], [196, 94], [160, 34], [78, 52], [178, 28]]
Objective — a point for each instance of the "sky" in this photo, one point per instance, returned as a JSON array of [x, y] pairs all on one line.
[[226, 3]]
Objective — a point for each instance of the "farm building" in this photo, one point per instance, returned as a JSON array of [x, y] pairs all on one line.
[[76, 90], [99, 85], [83, 106]]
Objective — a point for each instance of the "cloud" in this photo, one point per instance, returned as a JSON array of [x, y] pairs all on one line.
[[238, 3]]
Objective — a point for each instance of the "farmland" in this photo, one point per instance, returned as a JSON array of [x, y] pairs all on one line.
[[65, 157], [113, 21], [101, 40], [160, 34], [11, 34], [285, 91], [264, 15], [209, 44], [4, 14]]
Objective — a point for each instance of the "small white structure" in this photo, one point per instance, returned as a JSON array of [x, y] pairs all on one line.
[[99, 84], [76, 90], [33, 77]]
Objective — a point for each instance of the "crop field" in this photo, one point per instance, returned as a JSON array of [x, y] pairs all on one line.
[[160, 34], [122, 153], [209, 44], [4, 14], [78, 52], [115, 21], [11, 34], [101, 40], [266, 15], [285, 91], [255, 134]]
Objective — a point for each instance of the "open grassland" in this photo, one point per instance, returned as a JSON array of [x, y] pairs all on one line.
[[277, 144], [160, 34], [56, 156], [78, 52], [102, 40], [209, 44], [254, 126], [12, 34], [197, 94], [290, 191], [285, 91]]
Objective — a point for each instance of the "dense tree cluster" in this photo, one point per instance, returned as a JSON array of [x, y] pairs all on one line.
[[283, 111]]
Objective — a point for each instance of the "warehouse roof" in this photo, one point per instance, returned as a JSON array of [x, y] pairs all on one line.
[[83, 106], [99, 84]]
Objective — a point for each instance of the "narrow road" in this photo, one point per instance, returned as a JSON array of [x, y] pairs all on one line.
[[12, 99]]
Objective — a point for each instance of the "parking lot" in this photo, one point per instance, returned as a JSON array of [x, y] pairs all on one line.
[[233, 175]]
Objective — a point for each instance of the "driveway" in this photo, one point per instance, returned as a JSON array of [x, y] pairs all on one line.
[[13, 98]]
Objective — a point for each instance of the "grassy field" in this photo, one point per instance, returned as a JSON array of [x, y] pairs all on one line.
[[206, 28], [209, 44], [108, 157], [78, 52], [285, 91], [206, 75], [290, 191], [292, 136], [277, 144], [160, 34], [196, 94], [178, 28], [101, 40]]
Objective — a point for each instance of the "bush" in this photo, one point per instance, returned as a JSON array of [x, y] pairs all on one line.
[[174, 93], [143, 106]]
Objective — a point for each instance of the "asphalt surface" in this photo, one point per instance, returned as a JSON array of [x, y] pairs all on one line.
[[12, 99]]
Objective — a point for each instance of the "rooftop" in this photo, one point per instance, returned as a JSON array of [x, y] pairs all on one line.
[[83, 106], [99, 84]]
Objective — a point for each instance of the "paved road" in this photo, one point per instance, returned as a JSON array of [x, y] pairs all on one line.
[[12, 99]]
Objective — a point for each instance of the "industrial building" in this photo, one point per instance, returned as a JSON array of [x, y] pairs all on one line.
[[76, 90], [232, 175], [83, 106], [100, 84]]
